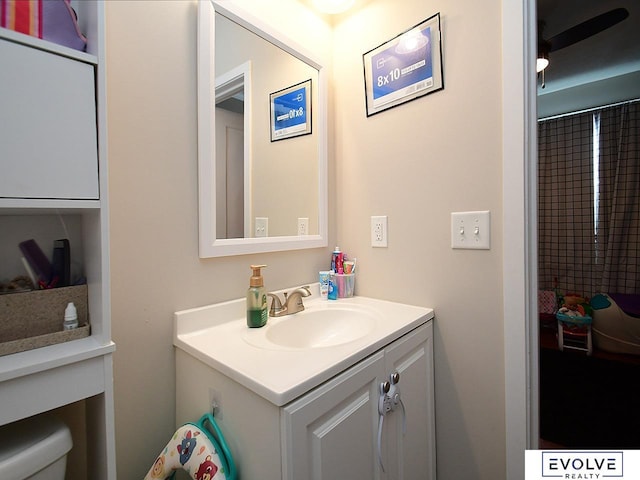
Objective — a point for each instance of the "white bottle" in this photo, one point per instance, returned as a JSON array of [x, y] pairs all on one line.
[[70, 317]]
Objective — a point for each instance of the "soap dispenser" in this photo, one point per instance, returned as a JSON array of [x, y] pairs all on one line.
[[257, 312]]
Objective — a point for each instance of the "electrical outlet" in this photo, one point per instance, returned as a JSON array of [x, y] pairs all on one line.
[[303, 225], [379, 231], [262, 227]]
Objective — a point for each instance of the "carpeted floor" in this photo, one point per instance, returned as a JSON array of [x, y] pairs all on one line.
[[588, 402]]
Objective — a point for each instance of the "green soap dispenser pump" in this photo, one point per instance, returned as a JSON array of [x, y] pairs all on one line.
[[257, 312]]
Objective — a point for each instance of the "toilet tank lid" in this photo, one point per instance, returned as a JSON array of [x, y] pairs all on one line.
[[27, 446]]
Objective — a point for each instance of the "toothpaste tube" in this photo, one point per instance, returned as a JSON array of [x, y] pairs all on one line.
[[340, 263], [324, 278]]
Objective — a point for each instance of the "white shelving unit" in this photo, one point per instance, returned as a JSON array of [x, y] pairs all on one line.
[[52, 183]]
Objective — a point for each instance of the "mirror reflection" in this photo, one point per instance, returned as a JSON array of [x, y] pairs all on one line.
[[263, 188]]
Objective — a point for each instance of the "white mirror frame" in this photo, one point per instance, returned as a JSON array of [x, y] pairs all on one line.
[[209, 245]]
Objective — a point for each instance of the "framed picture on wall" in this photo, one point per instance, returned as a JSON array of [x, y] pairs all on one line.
[[291, 111], [405, 67]]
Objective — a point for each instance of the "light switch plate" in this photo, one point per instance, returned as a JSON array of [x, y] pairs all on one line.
[[471, 230]]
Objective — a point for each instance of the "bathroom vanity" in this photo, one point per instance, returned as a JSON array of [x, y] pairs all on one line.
[[302, 397]]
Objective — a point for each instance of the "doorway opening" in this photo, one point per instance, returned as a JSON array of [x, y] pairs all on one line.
[[584, 394], [233, 153]]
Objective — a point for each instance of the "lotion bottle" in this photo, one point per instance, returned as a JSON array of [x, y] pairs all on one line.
[[70, 317], [257, 312]]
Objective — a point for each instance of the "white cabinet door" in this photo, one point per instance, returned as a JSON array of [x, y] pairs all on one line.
[[48, 136], [331, 432], [410, 445]]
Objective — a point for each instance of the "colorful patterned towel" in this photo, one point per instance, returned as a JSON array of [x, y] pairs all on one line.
[[194, 449]]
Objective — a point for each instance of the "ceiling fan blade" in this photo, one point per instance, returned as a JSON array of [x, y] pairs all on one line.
[[587, 29]]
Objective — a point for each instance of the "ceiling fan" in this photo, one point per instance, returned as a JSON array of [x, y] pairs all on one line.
[[575, 34]]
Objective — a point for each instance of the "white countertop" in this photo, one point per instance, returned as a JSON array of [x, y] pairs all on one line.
[[217, 335]]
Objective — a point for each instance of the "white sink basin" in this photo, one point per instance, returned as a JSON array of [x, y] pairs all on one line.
[[316, 327], [292, 354]]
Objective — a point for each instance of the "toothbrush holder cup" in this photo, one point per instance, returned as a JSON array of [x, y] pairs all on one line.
[[346, 283]]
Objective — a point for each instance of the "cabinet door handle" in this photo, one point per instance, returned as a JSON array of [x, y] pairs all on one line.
[[385, 404], [388, 401], [396, 399]]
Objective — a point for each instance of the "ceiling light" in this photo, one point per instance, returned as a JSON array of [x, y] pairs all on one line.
[[541, 64], [333, 6], [412, 41]]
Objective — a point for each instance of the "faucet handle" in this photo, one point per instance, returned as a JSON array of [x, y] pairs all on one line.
[[276, 304], [304, 290]]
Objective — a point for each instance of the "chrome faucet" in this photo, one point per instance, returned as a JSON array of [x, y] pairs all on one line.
[[292, 302]]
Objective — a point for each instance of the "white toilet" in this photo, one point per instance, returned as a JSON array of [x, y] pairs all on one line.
[[35, 448]]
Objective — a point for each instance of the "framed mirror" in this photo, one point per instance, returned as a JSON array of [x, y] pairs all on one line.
[[262, 137]]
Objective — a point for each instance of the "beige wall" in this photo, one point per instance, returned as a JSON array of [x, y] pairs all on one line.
[[415, 163]]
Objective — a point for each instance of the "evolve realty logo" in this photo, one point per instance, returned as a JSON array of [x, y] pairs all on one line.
[[582, 464]]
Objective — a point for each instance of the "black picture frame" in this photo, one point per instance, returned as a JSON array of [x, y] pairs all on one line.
[[290, 111], [404, 68]]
